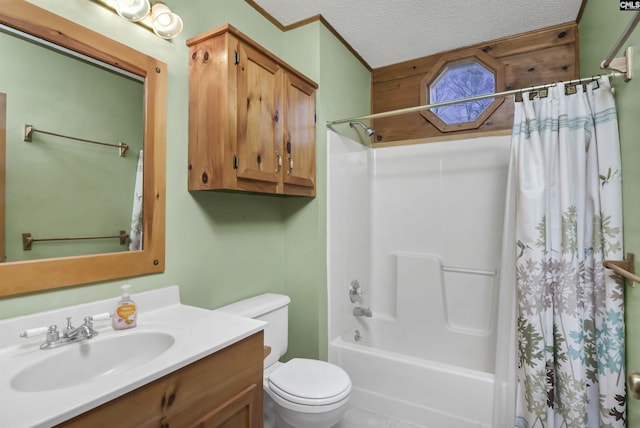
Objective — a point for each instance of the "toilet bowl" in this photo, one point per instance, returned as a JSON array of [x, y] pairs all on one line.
[[300, 393], [307, 393]]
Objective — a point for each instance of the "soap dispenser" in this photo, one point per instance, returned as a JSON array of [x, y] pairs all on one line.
[[126, 311]]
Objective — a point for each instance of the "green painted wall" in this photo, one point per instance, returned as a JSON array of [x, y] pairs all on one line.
[[600, 26], [344, 92], [221, 247]]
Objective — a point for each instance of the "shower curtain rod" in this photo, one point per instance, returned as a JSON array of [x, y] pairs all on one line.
[[620, 66], [623, 38], [469, 99]]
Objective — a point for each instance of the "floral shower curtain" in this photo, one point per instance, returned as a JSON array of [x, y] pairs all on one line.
[[570, 321]]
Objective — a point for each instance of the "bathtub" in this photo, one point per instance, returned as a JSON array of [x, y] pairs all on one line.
[[426, 393]]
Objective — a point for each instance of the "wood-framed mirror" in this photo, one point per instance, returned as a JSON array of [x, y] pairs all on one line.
[[35, 275]]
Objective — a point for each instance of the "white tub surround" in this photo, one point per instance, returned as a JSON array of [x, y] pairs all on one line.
[[421, 228], [196, 332]]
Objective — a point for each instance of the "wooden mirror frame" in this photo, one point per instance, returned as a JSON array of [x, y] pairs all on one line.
[[29, 276]]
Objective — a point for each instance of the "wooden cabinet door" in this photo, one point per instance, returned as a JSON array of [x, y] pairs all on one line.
[[259, 118], [212, 130], [299, 136], [241, 411]]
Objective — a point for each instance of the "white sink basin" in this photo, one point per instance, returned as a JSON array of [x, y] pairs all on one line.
[[84, 362]]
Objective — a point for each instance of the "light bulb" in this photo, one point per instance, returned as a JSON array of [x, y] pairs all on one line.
[[166, 24], [133, 10]]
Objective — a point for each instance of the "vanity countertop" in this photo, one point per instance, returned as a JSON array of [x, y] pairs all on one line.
[[197, 333]]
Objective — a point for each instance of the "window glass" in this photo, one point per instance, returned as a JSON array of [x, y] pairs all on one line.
[[463, 80]]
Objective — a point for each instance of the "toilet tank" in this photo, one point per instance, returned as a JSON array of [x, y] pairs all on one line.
[[272, 308]]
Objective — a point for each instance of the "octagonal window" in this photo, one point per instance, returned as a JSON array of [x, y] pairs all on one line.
[[453, 78], [459, 81]]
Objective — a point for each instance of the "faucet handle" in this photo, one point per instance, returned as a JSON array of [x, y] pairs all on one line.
[[52, 335], [88, 326], [355, 291], [32, 332], [101, 316], [88, 321], [69, 326]]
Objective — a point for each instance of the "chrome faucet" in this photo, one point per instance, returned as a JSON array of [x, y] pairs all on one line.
[[70, 333], [85, 331], [362, 312]]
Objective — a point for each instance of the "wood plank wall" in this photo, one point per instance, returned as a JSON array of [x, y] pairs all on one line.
[[529, 59]]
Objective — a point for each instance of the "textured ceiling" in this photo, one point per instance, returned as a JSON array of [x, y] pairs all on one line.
[[385, 32]]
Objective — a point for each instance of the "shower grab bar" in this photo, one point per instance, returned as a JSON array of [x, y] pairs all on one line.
[[469, 270]]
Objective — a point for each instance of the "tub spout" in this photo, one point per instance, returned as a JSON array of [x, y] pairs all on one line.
[[362, 312]]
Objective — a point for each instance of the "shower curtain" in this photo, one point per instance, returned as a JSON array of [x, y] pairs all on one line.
[[570, 321], [135, 235]]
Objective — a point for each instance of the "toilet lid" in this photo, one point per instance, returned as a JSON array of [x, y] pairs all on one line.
[[310, 382]]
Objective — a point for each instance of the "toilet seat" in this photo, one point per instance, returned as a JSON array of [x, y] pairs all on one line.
[[310, 382]]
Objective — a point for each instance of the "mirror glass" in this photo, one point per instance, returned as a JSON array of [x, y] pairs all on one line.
[[75, 135], [78, 108]]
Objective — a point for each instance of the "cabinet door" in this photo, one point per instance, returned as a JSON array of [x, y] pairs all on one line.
[[212, 88], [257, 149], [240, 411], [299, 136]]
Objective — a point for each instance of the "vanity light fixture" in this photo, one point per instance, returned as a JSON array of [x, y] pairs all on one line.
[[166, 24], [155, 16], [133, 10]]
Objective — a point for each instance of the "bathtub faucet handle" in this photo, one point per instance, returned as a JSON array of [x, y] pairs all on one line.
[[355, 291]]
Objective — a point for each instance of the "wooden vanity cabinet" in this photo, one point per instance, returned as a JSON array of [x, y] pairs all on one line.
[[222, 390], [251, 118]]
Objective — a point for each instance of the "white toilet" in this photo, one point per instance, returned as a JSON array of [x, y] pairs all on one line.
[[301, 393]]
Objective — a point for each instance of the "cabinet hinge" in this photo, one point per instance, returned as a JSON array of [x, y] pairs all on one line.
[[236, 162], [236, 57]]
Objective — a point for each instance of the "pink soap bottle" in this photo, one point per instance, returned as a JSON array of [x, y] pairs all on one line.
[[126, 311]]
